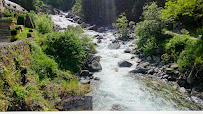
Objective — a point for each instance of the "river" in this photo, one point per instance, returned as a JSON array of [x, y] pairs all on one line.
[[116, 87]]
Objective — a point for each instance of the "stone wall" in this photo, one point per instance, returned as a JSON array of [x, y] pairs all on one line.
[[14, 54], [5, 32]]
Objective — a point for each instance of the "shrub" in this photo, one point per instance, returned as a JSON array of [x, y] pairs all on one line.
[[123, 25], [150, 46], [66, 49], [44, 24], [184, 32], [44, 66], [88, 45], [8, 14]]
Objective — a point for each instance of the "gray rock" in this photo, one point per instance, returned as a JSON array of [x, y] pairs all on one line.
[[144, 65], [83, 25], [117, 107], [96, 58], [125, 64], [97, 78], [139, 70], [169, 70], [174, 66], [151, 71], [99, 41], [149, 59], [156, 59], [182, 90], [127, 50], [86, 73], [114, 46], [100, 37], [101, 29], [84, 82], [95, 66]]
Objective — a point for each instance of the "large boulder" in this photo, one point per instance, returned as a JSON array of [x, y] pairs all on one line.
[[101, 29], [125, 64], [95, 66]]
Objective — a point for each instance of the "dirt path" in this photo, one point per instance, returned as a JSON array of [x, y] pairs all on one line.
[[172, 33]]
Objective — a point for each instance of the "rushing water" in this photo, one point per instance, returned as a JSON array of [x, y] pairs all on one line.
[[115, 85]]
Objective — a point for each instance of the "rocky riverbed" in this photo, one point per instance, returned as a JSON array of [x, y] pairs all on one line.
[[122, 78]]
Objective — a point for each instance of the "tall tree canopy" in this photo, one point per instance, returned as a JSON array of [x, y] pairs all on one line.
[[193, 8]]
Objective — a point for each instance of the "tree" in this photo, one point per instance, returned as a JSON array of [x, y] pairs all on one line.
[[123, 25], [174, 8]]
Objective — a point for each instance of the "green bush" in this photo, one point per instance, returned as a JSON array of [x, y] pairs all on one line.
[[66, 49], [88, 45], [123, 25], [42, 23], [8, 14], [44, 66], [152, 26], [150, 46]]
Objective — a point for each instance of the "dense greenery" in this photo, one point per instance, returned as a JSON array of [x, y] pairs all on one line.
[[123, 26], [66, 49], [150, 30]]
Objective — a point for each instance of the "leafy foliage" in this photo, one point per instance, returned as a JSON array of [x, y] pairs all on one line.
[[173, 8], [151, 27], [123, 26], [66, 49]]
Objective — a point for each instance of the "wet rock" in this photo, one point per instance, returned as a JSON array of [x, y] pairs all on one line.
[[144, 65], [132, 57], [99, 41], [114, 46], [151, 71], [156, 59], [86, 73], [83, 25], [97, 78], [139, 70], [149, 59], [95, 66], [182, 90], [117, 107], [125, 64], [169, 70], [101, 29], [84, 82], [100, 37], [174, 66], [127, 50]]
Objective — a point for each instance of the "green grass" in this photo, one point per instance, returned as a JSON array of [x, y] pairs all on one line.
[[23, 34]]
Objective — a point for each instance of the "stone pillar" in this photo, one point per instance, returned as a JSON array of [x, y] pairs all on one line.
[[1, 6]]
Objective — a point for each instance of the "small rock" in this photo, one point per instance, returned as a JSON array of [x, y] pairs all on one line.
[[117, 107], [127, 50], [182, 90], [151, 71], [149, 59], [97, 78], [99, 41], [144, 65], [156, 59], [174, 66], [84, 82], [86, 73], [29, 35], [125, 64]]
